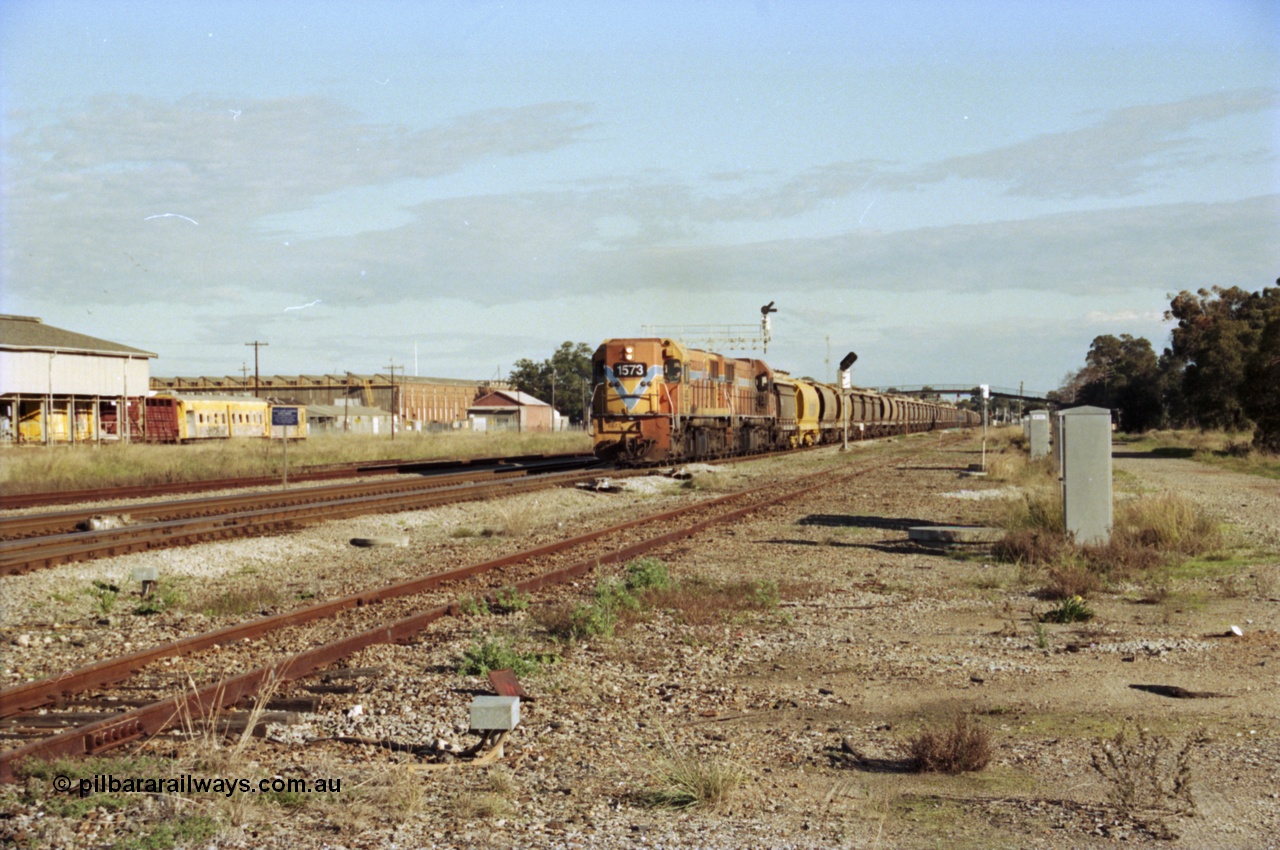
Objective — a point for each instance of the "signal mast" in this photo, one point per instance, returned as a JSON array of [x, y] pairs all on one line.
[[721, 337]]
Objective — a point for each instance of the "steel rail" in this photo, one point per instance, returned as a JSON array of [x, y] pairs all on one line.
[[323, 472], [156, 717], [32, 553], [41, 692], [64, 522]]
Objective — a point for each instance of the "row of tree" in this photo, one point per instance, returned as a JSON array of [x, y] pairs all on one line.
[[1221, 369]]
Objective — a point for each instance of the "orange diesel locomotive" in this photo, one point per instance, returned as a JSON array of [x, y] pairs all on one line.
[[655, 401]]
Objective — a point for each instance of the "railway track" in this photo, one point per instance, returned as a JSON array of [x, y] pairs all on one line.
[[327, 472], [42, 540], [282, 647]]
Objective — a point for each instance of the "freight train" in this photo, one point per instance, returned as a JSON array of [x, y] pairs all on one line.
[[657, 401]]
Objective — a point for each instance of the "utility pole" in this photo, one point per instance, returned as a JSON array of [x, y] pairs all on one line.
[[256, 345], [394, 402]]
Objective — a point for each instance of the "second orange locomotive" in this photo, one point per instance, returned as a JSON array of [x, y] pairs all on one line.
[[655, 400]]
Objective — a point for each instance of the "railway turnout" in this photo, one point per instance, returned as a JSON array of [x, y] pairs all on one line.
[[41, 540], [385, 615]]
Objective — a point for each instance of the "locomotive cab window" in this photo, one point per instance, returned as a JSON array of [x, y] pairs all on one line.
[[672, 371], [762, 383]]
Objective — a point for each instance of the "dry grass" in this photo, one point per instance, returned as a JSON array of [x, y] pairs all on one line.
[[518, 516], [1146, 775], [238, 599], [1030, 546], [485, 803], [1040, 509], [211, 751], [647, 587], [1168, 523], [38, 469], [1004, 466], [964, 747], [1148, 536], [697, 601], [1070, 577], [1232, 451], [683, 781], [396, 794]]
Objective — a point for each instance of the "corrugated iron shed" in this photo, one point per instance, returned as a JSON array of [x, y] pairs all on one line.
[[29, 333], [58, 385]]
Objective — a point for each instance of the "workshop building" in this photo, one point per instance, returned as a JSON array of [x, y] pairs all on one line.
[[60, 386], [420, 404]]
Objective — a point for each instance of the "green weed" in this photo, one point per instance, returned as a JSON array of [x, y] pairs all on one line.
[[498, 654], [473, 606], [763, 593], [647, 574], [1073, 610], [162, 598], [104, 597], [509, 600], [183, 831]]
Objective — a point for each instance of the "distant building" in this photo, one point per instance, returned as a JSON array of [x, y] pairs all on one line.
[[421, 404], [510, 410], [60, 386], [347, 419]]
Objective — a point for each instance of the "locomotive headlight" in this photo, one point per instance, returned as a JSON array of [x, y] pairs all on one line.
[[628, 351]]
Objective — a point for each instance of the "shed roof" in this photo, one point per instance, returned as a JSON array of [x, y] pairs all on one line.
[[32, 334], [354, 380], [207, 397], [508, 398]]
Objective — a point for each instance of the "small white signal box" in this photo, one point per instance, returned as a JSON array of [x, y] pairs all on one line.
[[495, 713]]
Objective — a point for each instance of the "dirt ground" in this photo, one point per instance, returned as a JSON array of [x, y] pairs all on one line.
[[808, 697]]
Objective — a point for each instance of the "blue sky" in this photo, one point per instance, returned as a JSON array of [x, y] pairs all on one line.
[[961, 192]]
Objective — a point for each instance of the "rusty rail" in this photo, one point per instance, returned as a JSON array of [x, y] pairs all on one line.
[[283, 510], [326, 472], [156, 717]]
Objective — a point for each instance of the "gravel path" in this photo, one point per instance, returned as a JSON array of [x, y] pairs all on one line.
[[1248, 502]]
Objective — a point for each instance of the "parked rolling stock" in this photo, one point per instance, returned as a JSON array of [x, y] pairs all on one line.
[[183, 419], [657, 401]]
